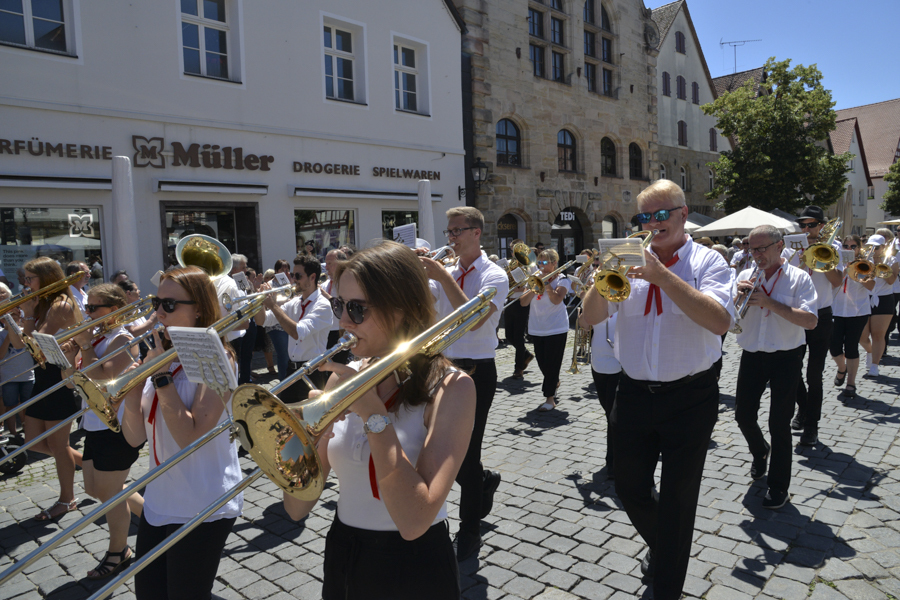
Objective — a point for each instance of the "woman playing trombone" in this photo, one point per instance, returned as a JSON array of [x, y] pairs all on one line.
[[398, 451], [171, 412]]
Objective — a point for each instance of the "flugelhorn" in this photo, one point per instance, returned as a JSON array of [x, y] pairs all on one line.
[[44, 291], [821, 256], [613, 283]]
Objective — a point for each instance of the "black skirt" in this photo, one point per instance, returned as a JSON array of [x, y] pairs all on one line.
[[59, 405]]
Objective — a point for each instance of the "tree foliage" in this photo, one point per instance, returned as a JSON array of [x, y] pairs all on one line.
[[891, 197], [781, 159]]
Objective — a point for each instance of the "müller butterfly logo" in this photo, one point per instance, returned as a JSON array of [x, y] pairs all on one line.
[[81, 225], [148, 152]]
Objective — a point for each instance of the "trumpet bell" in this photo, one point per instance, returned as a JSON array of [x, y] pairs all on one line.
[[613, 285], [820, 258], [883, 271], [860, 270], [205, 252], [522, 254]]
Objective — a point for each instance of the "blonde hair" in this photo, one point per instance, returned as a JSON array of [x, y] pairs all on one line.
[[887, 233], [550, 254], [662, 189], [473, 216]]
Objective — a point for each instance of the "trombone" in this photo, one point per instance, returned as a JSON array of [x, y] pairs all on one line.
[[228, 302], [44, 291], [863, 267], [613, 284], [536, 284]]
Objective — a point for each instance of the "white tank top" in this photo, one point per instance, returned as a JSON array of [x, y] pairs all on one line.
[[348, 453], [90, 421], [180, 493]]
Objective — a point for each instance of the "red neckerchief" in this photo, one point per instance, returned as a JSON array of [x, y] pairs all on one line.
[[303, 308], [771, 289], [152, 418], [654, 292], [93, 345], [548, 283], [389, 404], [461, 280]]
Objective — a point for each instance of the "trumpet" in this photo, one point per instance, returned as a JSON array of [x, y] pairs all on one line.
[[863, 267], [821, 256], [44, 291], [613, 284], [444, 255], [228, 302], [536, 284], [741, 309]]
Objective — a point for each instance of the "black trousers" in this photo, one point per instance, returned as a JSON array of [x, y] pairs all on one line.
[[818, 340], [248, 343], [606, 385], [187, 570], [380, 565], [341, 357], [471, 473], [516, 320], [299, 390], [549, 351], [845, 335], [678, 424], [782, 371]]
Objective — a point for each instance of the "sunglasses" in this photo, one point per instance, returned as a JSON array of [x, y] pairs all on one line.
[[169, 304], [93, 307], [355, 310], [662, 214], [543, 262], [297, 276], [850, 247], [807, 225]]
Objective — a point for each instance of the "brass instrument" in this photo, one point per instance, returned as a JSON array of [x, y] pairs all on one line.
[[863, 267], [205, 252], [285, 291], [536, 284], [44, 291], [821, 256], [282, 439], [523, 258], [581, 348], [444, 255], [743, 303], [613, 284], [882, 269]]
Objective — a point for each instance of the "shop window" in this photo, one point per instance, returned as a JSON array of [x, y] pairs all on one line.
[[37, 24], [206, 38], [221, 221], [343, 45], [508, 143], [635, 161], [321, 231], [565, 146], [607, 157], [62, 233], [410, 76], [396, 218]]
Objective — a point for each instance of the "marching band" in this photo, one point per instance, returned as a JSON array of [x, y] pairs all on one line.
[[400, 424]]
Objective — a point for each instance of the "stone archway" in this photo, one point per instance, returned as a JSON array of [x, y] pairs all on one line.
[[570, 233]]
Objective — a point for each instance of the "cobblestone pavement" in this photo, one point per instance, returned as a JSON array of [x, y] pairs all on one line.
[[557, 530]]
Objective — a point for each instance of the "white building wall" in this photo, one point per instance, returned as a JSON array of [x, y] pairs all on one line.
[[858, 183]]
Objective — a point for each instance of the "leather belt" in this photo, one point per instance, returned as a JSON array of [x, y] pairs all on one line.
[[661, 387]]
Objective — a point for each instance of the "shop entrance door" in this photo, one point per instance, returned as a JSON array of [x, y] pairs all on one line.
[[233, 225]]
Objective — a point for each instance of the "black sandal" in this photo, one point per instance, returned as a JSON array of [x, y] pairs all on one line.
[[108, 569], [850, 391], [839, 378]]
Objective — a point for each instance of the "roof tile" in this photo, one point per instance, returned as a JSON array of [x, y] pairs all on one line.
[[879, 126]]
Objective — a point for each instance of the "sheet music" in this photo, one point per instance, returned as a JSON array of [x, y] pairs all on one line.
[[203, 358], [156, 278], [848, 256], [52, 352], [628, 250], [11, 324], [282, 279], [406, 234], [518, 274], [243, 283]]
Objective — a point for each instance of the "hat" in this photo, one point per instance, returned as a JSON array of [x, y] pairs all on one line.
[[875, 240], [812, 212]]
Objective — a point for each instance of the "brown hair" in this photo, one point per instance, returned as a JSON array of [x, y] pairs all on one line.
[[109, 293], [379, 270], [201, 290], [48, 272]]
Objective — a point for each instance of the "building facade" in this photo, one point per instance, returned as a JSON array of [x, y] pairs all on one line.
[[272, 127], [852, 207], [560, 104]]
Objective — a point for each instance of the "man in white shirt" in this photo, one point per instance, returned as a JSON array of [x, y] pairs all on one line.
[[306, 318], [667, 340], [741, 259], [77, 288], [331, 261], [818, 340], [474, 352], [773, 338]]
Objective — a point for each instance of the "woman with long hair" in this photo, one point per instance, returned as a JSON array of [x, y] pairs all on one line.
[[400, 447], [171, 412], [107, 456], [548, 325], [851, 310], [882, 301], [51, 314]]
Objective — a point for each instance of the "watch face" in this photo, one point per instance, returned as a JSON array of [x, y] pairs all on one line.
[[376, 423]]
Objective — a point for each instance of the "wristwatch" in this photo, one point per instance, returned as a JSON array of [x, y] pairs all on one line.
[[376, 423], [162, 380]]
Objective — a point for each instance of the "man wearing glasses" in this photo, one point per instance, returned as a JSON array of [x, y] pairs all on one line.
[[742, 259], [781, 308], [474, 352], [667, 339], [818, 340], [306, 318]]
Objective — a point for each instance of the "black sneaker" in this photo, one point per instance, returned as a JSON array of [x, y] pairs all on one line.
[[797, 422], [760, 465], [466, 545], [775, 499], [810, 436], [491, 483]]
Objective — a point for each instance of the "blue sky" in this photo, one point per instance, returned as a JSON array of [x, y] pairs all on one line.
[[854, 44]]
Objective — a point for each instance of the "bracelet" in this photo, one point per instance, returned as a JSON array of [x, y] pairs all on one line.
[[86, 347]]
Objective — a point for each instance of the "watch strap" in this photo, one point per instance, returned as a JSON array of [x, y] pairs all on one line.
[[162, 380]]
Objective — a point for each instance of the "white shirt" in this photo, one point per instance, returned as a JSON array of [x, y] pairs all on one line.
[[896, 254], [824, 289], [851, 299], [90, 421], [80, 299], [179, 494], [546, 318], [670, 346], [741, 259], [765, 331], [314, 317], [482, 342], [603, 347], [227, 285], [335, 323]]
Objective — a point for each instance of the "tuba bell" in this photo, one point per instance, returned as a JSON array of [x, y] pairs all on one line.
[[202, 251]]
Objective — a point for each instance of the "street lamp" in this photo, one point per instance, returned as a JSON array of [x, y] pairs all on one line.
[[479, 176]]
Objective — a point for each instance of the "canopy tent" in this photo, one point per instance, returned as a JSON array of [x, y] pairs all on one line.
[[696, 221], [784, 215], [894, 222], [743, 221]]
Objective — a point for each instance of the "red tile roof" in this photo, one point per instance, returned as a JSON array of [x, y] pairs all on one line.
[[879, 126]]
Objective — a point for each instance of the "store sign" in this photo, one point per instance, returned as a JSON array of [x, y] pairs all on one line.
[[567, 215], [327, 168], [405, 173], [149, 152], [81, 225], [37, 147]]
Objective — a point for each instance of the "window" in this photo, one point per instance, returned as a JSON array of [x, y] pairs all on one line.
[[565, 148], [535, 23], [606, 47], [36, 24], [604, 19], [405, 78], [679, 43], [695, 93], [559, 73], [713, 140], [635, 161], [871, 193], [556, 31], [608, 228], [662, 171], [338, 64], [851, 165], [590, 73], [396, 218], [683, 179], [589, 11], [682, 88], [667, 84], [607, 83], [537, 59], [712, 181], [607, 157], [861, 200], [682, 133], [556, 4], [508, 143], [204, 37], [590, 44]]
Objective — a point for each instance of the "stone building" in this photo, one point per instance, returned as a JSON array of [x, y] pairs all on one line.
[[560, 103]]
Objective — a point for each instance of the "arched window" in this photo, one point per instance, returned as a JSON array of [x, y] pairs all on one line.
[[667, 84], [713, 140], [679, 43], [683, 179], [607, 157], [662, 171], [635, 161], [695, 93], [712, 181], [604, 19], [682, 88], [565, 148], [682, 133], [508, 143]]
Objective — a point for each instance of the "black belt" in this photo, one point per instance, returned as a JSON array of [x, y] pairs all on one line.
[[468, 363], [296, 366], [825, 311], [661, 387]]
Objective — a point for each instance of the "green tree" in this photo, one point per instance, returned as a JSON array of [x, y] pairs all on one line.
[[782, 158], [891, 197]]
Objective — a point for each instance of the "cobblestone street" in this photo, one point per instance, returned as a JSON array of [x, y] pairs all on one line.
[[557, 530]]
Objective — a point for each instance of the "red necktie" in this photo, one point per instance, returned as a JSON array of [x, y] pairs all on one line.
[[152, 418], [654, 292], [462, 278], [303, 309], [372, 480], [845, 284]]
